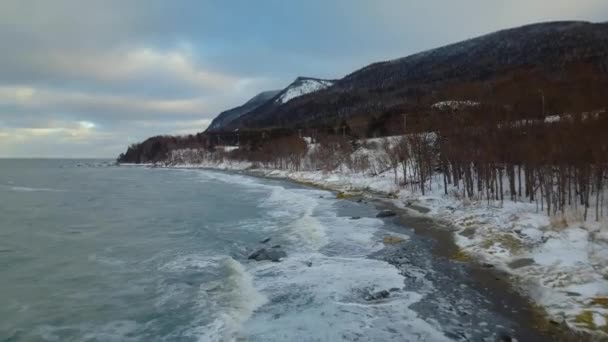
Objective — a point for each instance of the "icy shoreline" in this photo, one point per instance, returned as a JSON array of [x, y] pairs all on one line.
[[561, 266]]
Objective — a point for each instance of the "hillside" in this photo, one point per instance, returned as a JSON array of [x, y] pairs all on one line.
[[528, 72], [550, 56], [300, 87], [224, 118]]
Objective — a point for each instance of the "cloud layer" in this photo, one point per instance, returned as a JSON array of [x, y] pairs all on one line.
[[85, 79]]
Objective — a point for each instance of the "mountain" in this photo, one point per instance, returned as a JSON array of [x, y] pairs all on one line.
[[266, 102], [533, 71], [553, 57], [225, 117]]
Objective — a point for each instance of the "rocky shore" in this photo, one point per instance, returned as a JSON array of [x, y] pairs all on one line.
[[500, 288]]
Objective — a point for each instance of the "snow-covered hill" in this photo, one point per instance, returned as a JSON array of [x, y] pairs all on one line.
[[302, 86]]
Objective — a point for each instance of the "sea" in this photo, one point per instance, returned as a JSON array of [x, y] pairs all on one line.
[[90, 251]]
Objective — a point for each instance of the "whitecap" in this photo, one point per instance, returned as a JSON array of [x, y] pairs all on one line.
[[235, 299], [29, 189]]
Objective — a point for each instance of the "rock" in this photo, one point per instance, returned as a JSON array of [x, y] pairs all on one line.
[[486, 265], [359, 200], [264, 254], [468, 232], [554, 322], [265, 240], [309, 263], [276, 246], [392, 240], [519, 263], [355, 218], [386, 213], [506, 338], [419, 208], [378, 295]]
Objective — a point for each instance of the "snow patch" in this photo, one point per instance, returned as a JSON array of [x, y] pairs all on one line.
[[454, 104], [304, 87]]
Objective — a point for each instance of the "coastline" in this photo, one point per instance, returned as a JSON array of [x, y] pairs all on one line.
[[494, 283], [498, 284]]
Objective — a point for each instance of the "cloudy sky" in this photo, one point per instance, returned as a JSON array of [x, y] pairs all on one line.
[[85, 78]]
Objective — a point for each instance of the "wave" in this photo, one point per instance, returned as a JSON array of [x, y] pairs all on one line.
[[28, 189], [291, 211], [326, 301], [237, 299]]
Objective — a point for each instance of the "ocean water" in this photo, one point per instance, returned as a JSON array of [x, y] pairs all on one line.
[[90, 252]]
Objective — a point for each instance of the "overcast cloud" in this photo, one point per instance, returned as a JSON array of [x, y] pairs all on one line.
[[87, 78]]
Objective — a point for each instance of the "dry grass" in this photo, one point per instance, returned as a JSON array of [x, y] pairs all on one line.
[[461, 256], [507, 241], [392, 240]]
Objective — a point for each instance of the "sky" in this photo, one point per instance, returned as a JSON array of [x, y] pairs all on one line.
[[88, 78]]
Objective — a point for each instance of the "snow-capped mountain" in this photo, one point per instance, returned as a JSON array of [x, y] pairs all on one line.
[[302, 86]]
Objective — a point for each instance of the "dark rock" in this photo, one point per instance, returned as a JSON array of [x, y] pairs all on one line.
[[378, 295], [355, 217], [256, 254], [359, 200], [486, 265], [394, 289], [506, 338], [386, 213], [572, 294], [272, 255], [276, 246], [309, 263], [468, 232], [519, 263], [265, 240]]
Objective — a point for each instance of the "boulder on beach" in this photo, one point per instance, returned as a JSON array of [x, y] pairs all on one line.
[[262, 254], [386, 213], [265, 240], [378, 295]]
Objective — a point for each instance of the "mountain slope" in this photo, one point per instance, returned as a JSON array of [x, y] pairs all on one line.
[[552, 56], [230, 115], [302, 86]]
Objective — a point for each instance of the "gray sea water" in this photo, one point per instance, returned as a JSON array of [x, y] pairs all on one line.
[[90, 252]]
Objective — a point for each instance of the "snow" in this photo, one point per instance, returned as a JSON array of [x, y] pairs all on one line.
[[305, 87], [559, 262], [454, 104]]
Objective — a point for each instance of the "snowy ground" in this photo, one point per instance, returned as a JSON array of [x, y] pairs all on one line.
[[561, 263]]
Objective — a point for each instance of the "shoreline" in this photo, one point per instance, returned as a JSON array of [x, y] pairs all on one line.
[[496, 284]]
